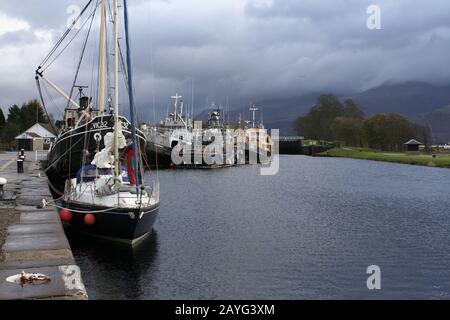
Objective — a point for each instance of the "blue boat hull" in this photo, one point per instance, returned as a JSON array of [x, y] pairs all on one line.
[[116, 224]]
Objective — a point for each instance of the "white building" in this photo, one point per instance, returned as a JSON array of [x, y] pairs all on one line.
[[35, 138]]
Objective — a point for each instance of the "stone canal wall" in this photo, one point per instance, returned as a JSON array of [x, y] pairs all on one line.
[[33, 240]]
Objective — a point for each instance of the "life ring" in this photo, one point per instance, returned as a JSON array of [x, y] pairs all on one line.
[[97, 137]]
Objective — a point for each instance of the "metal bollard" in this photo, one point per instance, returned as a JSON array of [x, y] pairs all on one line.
[[3, 182], [19, 165]]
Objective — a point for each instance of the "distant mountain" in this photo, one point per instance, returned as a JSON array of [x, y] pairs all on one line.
[[438, 121], [418, 101], [408, 99], [277, 113], [281, 113]]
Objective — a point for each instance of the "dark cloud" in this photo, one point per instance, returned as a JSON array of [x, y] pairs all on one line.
[[243, 50]]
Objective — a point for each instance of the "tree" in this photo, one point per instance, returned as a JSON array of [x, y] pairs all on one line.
[[32, 113], [317, 123], [11, 131], [2, 122], [22, 118], [347, 130], [13, 123], [14, 114], [329, 118], [387, 131], [353, 110], [423, 134]]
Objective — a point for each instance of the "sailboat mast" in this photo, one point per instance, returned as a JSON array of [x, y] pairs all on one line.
[[101, 101], [133, 117], [116, 87]]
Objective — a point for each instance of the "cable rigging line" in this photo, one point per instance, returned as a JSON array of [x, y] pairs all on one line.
[[70, 41], [81, 56], [43, 102], [66, 33]]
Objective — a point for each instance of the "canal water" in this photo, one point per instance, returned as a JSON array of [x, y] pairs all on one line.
[[309, 232]]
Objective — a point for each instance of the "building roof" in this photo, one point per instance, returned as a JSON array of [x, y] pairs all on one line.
[[28, 135], [36, 131], [413, 142], [33, 134]]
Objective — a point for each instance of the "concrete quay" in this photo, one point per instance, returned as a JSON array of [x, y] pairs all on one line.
[[35, 242]]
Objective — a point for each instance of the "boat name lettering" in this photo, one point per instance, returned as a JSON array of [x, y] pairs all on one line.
[[99, 125]]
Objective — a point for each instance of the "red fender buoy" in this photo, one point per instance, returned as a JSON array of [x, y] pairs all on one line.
[[65, 215], [89, 219]]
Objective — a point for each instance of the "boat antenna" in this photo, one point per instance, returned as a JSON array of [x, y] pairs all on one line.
[[253, 110], [225, 115], [131, 97], [176, 98], [181, 109], [262, 118], [192, 102]]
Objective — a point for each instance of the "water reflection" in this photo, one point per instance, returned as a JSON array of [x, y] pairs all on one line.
[[309, 232], [114, 270]]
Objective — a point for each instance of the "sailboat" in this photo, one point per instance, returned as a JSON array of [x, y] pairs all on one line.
[[85, 117], [107, 196]]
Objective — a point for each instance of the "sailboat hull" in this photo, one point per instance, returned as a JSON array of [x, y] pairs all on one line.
[[125, 225], [158, 156]]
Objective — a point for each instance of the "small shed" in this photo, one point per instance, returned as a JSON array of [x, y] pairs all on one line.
[[35, 138], [413, 145]]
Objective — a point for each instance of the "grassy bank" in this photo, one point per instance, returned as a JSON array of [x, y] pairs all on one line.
[[441, 160]]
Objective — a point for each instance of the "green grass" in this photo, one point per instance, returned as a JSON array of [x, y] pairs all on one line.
[[441, 160]]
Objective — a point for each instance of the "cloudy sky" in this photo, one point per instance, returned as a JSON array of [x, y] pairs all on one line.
[[240, 50]]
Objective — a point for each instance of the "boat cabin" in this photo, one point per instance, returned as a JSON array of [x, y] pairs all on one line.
[[91, 172]]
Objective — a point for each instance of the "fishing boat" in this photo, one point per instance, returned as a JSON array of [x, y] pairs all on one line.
[[108, 196], [84, 117], [255, 139], [223, 149], [76, 144], [161, 139], [209, 147]]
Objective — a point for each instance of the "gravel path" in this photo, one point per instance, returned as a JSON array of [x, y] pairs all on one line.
[[8, 216]]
